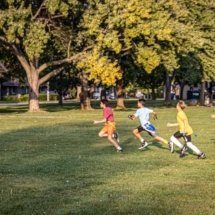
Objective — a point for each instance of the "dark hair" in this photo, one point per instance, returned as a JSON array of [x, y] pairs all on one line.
[[104, 101], [142, 101]]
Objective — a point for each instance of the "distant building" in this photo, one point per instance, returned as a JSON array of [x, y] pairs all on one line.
[[9, 88]]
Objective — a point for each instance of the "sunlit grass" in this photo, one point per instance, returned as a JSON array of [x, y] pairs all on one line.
[[53, 162]]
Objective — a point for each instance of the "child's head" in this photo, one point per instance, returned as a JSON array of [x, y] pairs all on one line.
[[141, 103], [103, 103], [181, 104]]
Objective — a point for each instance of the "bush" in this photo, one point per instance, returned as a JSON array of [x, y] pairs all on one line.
[[24, 98], [9, 98]]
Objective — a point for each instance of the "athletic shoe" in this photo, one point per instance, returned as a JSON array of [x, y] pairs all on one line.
[[201, 156], [116, 136], [171, 146], [183, 150], [182, 155], [119, 150], [143, 145]]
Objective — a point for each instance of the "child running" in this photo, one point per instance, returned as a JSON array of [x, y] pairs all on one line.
[[143, 114], [109, 130], [185, 131]]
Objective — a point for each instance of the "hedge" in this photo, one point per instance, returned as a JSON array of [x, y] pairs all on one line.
[[24, 98]]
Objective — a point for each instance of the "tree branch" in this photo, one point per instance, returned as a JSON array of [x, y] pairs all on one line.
[[38, 11], [69, 45], [4, 69], [63, 61], [18, 53], [45, 78]]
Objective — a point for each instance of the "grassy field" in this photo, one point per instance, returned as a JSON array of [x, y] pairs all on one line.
[[53, 162]]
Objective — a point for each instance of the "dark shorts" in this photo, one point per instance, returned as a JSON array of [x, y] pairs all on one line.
[[178, 135], [140, 129]]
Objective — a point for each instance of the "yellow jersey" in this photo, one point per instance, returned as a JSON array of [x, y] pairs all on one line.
[[183, 123]]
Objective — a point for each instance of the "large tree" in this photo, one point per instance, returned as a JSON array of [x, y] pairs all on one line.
[[30, 30], [202, 17], [154, 33]]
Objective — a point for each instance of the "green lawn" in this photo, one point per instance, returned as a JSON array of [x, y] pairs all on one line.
[[53, 162]]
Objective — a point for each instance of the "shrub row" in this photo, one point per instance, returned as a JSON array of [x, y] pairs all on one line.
[[24, 98]]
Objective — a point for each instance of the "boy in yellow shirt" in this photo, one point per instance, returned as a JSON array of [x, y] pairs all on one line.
[[185, 131]]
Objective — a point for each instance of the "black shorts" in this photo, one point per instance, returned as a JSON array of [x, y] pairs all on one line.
[[140, 129], [178, 135]]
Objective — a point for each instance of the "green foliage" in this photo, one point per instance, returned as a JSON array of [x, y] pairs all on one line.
[[190, 70], [201, 15], [152, 33], [100, 68], [33, 46], [25, 98], [148, 58]]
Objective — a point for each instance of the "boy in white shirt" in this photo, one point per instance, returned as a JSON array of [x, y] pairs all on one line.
[[143, 114]]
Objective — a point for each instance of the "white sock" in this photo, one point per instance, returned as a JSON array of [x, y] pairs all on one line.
[[119, 148], [176, 142], [142, 140], [194, 148]]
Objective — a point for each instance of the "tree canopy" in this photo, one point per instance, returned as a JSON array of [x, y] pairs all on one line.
[[98, 35]]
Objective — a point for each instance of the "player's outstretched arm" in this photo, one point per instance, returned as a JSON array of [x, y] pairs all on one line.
[[172, 124], [99, 121], [213, 116], [155, 115]]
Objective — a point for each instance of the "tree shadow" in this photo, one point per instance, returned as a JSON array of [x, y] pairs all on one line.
[[13, 109]]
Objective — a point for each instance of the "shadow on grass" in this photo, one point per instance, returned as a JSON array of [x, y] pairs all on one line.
[[66, 169], [13, 109], [131, 105]]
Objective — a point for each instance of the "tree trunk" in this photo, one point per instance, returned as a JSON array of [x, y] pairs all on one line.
[[202, 93], [120, 97], [153, 93], [168, 88], [182, 91], [60, 99], [78, 92], [34, 93], [103, 94], [0, 90], [85, 95]]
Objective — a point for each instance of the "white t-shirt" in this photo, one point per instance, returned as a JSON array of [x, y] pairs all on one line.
[[143, 114]]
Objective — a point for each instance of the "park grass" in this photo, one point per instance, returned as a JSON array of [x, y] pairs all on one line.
[[53, 162]]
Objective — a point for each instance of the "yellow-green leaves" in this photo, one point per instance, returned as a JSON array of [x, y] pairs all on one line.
[[60, 6], [36, 39], [100, 69], [148, 58], [13, 21]]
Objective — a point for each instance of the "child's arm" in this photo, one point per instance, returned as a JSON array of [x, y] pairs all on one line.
[[154, 115], [172, 124], [132, 116], [99, 121]]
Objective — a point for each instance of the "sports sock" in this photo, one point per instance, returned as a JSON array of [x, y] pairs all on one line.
[[142, 140], [119, 148], [194, 148], [176, 142]]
